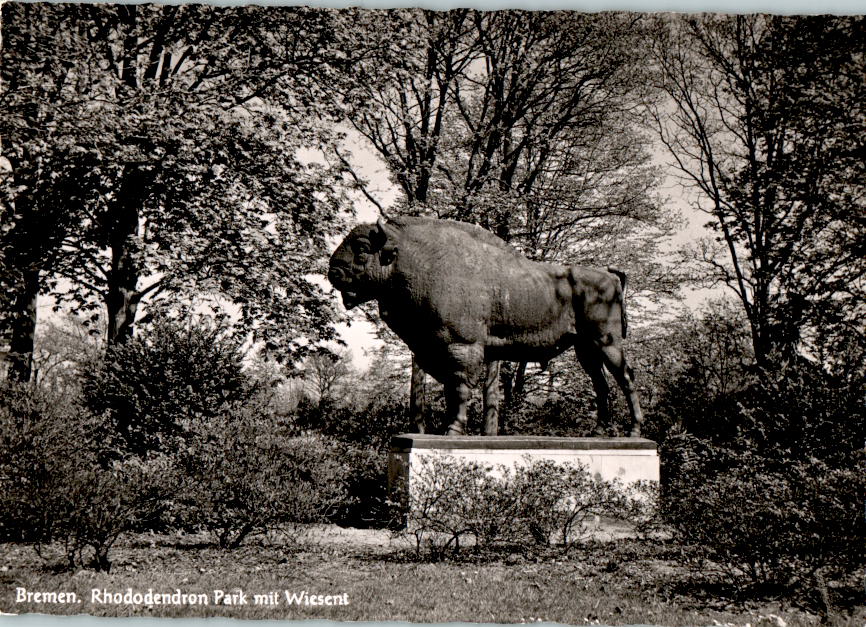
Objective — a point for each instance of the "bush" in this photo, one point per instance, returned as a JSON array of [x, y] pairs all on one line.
[[452, 499], [243, 474], [169, 373], [537, 503], [364, 437], [366, 504], [94, 504], [558, 499], [798, 410], [561, 416], [58, 485], [372, 427], [763, 521]]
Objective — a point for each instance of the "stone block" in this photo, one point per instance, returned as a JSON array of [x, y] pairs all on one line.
[[627, 459]]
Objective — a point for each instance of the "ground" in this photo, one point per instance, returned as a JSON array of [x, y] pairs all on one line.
[[611, 580]]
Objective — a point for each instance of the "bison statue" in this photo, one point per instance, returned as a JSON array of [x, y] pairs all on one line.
[[462, 298]]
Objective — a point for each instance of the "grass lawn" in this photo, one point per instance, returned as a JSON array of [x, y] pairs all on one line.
[[620, 581]]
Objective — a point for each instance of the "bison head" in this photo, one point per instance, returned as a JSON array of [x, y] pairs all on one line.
[[363, 261]]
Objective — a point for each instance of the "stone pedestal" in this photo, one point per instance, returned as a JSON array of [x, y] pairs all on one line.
[[626, 459]]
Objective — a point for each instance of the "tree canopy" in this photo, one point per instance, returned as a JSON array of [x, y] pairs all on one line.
[[765, 120], [173, 150]]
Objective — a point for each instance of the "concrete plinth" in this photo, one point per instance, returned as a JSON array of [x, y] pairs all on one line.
[[627, 459]]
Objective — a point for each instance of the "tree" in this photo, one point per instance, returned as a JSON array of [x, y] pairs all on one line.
[[384, 381], [64, 349], [524, 123], [326, 375], [193, 122], [153, 387], [41, 171], [765, 123]]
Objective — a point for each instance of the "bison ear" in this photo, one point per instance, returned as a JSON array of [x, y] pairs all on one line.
[[384, 238]]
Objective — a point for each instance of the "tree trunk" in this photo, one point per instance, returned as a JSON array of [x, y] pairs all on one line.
[[23, 326], [519, 381], [122, 299], [417, 397]]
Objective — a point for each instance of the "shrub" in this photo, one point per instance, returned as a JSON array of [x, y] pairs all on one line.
[[452, 499], [58, 486], [557, 500], [366, 503], [536, 503], [796, 409], [94, 504], [373, 426], [169, 373], [565, 416], [364, 437], [243, 474], [765, 521]]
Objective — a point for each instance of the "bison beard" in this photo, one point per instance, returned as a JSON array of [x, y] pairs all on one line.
[[462, 299]]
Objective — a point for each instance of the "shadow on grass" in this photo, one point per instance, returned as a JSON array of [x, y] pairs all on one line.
[[606, 556], [716, 590]]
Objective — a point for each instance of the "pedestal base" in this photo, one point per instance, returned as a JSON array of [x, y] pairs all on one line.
[[627, 459]]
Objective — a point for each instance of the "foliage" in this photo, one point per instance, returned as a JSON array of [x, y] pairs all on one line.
[[765, 521], [327, 375], [57, 485], [168, 375], [178, 140], [559, 499], [799, 410], [64, 349], [243, 474], [536, 503], [564, 416], [688, 365], [366, 503], [764, 123], [788, 408], [372, 426], [363, 437]]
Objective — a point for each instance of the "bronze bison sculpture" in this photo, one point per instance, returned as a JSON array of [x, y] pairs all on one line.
[[462, 298]]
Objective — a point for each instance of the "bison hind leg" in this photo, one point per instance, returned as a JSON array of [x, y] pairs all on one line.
[[614, 359], [590, 358], [491, 398]]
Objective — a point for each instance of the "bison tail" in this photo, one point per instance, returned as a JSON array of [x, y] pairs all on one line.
[[621, 275]]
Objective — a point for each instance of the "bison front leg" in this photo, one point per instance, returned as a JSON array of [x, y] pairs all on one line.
[[466, 363], [417, 388], [456, 400]]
